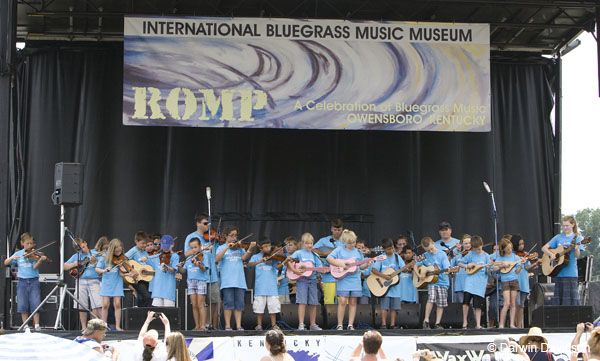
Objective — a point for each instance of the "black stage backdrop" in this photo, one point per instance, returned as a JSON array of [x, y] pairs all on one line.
[[270, 181]]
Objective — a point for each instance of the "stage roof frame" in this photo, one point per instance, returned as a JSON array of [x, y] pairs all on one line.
[[534, 26]]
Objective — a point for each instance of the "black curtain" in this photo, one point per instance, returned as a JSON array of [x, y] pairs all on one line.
[[276, 182]]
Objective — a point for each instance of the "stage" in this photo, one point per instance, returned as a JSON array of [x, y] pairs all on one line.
[[331, 345]]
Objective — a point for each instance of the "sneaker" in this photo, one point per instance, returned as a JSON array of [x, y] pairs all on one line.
[[26, 329], [426, 325], [350, 327], [383, 327], [241, 328], [315, 327], [301, 327], [37, 328], [258, 328], [339, 327], [438, 326]]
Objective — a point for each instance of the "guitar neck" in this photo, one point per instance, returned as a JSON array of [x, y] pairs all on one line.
[[360, 262]]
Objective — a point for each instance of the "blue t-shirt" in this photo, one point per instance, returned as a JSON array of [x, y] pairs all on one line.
[[25, 266], [193, 271], [512, 275], [135, 254], [451, 243], [561, 240], [112, 282], [232, 268], [459, 279], [365, 288], [352, 281], [90, 270], [305, 256], [440, 260], [408, 292], [328, 242], [396, 263], [265, 276], [209, 257], [283, 288], [476, 283], [524, 278], [164, 282]]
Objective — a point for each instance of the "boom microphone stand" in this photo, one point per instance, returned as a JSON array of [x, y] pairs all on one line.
[[210, 268], [495, 217]]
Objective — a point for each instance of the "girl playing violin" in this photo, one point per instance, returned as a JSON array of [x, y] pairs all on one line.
[[165, 265], [28, 286], [519, 246], [195, 266], [230, 258], [112, 279]]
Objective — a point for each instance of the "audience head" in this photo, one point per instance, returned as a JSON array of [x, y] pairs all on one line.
[[594, 343], [372, 342], [275, 342], [177, 348], [150, 342], [95, 329]]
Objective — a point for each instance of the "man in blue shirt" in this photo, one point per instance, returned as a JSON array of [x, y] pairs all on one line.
[[446, 241], [329, 283]]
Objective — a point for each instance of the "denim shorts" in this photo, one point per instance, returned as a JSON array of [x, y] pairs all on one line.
[[522, 299], [393, 303], [306, 292], [233, 298], [348, 293], [28, 294]]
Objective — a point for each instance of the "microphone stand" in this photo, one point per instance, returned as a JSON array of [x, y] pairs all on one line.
[[210, 268], [495, 217]]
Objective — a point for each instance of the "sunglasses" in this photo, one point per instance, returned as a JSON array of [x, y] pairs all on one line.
[[205, 223]]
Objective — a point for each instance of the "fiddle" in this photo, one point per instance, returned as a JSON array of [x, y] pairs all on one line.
[[36, 255], [213, 235], [275, 256], [121, 261], [239, 244]]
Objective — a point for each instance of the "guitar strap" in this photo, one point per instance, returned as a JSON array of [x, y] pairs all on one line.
[[397, 261]]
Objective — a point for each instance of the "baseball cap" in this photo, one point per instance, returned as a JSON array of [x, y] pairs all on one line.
[[445, 225], [95, 324], [149, 341], [166, 242]]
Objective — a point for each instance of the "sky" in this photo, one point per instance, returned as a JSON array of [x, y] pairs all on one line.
[[581, 128]]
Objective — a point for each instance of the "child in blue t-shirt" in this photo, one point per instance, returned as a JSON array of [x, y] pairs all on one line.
[[138, 253], [364, 274], [392, 301], [28, 285], [87, 287], [408, 291], [566, 291], [459, 278], [112, 280], [475, 284], [291, 245], [233, 280], [348, 288], [306, 287], [508, 280], [265, 284], [519, 245], [436, 292], [195, 267], [165, 286]]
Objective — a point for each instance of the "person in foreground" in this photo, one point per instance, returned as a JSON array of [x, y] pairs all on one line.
[[148, 346], [275, 344], [372, 345], [506, 350], [93, 335], [177, 348]]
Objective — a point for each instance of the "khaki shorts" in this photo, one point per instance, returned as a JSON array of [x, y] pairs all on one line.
[[212, 293], [88, 294]]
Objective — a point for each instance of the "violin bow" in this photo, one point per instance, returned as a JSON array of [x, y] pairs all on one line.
[[274, 253], [240, 241], [38, 249]]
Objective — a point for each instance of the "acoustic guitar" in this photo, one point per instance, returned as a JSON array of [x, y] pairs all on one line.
[[561, 260], [145, 273], [307, 268], [379, 286], [424, 275], [339, 272]]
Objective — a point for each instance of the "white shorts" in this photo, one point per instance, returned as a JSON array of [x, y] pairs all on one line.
[[272, 303], [162, 302], [88, 294]]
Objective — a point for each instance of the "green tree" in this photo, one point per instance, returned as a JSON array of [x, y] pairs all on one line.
[[588, 222]]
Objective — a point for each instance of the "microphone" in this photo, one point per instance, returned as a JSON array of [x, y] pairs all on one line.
[[207, 192], [487, 187]]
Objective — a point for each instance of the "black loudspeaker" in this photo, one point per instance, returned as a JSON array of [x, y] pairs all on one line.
[[409, 316], [68, 184], [289, 315], [541, 295], [364, 316], [452, 317], [560, 316], [134, 317]]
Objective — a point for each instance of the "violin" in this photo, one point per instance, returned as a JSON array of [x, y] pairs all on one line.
[[121, 261], [530, 256], [212, 235], [197, 258], [153, 252], [273, 255], [36, 255]]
